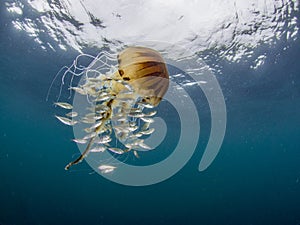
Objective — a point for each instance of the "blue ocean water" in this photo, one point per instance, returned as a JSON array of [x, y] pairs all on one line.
[[255, 179]]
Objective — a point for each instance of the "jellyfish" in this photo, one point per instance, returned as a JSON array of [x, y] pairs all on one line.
[[122, 98]]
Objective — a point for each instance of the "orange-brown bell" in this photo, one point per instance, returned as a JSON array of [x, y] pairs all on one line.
[[146, 71]]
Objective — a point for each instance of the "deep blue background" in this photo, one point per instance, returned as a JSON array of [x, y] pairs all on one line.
[[254, 180]]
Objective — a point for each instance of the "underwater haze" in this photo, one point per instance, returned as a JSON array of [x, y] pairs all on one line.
[[252, 48]]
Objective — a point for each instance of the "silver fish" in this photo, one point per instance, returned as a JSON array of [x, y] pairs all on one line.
[[150, 113], [72, 114], [136, 115], [136, 154], [98, 117], [129, 145], [139, 134], [124, 119], [135, 110], [90, 115], [147, 119], [64, 105], [93, 116], [88, 120], [88, 130], [79, 90], [145, 126], [103, 98], [137, 142], [98, 108], [121, 129], [89, 136], [146, 105], [147, 132], [133, 128], [103, 140], [103, 94], [143, 145], [106, 168], [66, 121], [98, 124], [116, 150], [80, 141], [98, 149]]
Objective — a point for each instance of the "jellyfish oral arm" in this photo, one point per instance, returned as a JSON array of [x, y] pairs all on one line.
[[91, 141]]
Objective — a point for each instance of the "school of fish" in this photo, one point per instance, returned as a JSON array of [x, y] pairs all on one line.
[[121, 116]]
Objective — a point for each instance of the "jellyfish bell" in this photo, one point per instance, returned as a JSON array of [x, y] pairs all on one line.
[[119, 99], [145, 70]]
